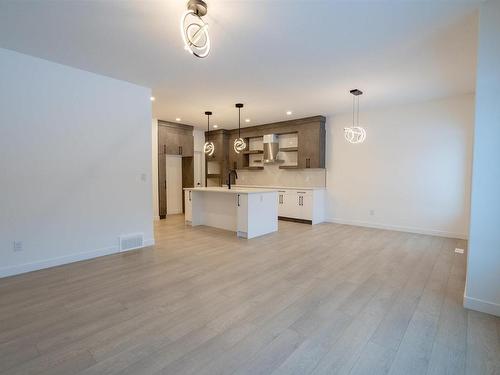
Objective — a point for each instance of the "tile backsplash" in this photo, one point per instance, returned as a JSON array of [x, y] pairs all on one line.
[[271, 175]]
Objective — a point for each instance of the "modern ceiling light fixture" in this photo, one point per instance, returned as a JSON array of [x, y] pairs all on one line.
[[194, 30], [208, 147], [239, 143], [355, 133]]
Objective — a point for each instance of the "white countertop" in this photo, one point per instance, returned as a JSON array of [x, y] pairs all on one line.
[[233, 190], [278, 187]]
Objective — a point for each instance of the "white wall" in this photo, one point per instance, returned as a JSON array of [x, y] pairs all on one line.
[[483, 264], [75, 163], [412, 173]]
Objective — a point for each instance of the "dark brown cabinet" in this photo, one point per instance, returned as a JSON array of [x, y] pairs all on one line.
[[179, 142], [311, 147], [236, 160], [310, 141]]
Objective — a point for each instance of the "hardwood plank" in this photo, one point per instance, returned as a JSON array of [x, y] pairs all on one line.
[[307, 299]]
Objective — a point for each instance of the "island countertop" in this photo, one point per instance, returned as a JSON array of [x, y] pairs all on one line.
[[234, 190]]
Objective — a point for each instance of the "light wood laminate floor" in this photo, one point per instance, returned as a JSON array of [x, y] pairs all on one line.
[[325, 299]]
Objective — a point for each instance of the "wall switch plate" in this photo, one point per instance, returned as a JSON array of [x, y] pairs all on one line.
[[143, 177], [17, 246], [459, 251], [372, 212]]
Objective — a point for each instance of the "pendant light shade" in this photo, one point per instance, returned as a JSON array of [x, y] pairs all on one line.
[[355, 133], [194, 29], [208, 147], [239, 143]]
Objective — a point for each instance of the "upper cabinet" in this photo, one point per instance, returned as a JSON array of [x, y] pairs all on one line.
[[302, 144], [175, 139], [311, 146], [220, 141]]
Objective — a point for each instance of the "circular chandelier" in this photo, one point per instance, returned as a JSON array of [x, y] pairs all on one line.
[[355, 133], [239, 143], [208, 147], [194, 30]]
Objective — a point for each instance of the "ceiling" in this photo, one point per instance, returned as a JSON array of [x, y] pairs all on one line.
[[274, 56]]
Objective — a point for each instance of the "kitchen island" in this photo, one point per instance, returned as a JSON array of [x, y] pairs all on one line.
[[248, 212]]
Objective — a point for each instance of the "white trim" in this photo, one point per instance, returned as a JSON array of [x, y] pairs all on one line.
[[482, 306], [399, 228], [58, 261]]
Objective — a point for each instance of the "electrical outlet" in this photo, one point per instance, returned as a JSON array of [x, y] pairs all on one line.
[[143, 177], [17, 246], [459, 251], [372, 212]]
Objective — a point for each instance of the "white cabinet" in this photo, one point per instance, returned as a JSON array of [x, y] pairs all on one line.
[[301, 204], [188, 205], [242, 215], [283, 203], [305, 204]]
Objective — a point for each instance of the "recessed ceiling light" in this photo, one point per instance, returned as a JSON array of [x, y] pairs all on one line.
[[247, 120], [178, 119], [152, 98], [216, 126], [288, 113]]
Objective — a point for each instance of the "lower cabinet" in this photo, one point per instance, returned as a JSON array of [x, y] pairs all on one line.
[[302, 205], [188, 205], [242, 214]]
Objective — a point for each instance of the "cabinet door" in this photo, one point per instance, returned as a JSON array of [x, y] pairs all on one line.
[[187, 143], [173, 141], [311, 152], [236, 161], [188, 207], [305, 205], [281, 203], [290, 206], [242, 212], [162, 140]]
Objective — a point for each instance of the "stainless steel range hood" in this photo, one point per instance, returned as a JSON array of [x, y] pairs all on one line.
[[271, 149]]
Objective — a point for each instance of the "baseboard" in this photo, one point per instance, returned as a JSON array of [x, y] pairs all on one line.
[[399, 228], [58, 261], [482, 306], [302, 221]]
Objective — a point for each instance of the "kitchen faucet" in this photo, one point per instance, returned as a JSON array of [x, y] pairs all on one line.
[[231, 171]]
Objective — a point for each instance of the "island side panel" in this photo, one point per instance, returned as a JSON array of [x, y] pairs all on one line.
[[215, 209], [262, 213]]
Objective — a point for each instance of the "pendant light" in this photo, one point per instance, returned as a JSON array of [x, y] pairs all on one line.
[[355, 133], [239, 143], [208, 147], [194, 30]]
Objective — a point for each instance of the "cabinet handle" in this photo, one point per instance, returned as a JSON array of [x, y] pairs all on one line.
[[308, 163], [190, 195], [165, 184], [280, 199], [180, 150], [238, 200], [165, 149]]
